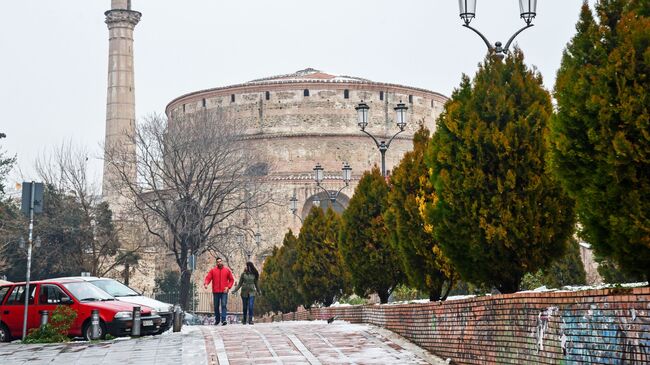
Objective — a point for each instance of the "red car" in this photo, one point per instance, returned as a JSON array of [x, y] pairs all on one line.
[[83, 297]]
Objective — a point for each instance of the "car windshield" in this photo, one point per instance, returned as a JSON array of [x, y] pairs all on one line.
[[115, 288], [87, 292]]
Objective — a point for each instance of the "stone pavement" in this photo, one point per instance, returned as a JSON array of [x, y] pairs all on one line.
[[294, 343]]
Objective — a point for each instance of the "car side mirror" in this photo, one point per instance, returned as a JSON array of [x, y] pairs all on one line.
[[66, 300]]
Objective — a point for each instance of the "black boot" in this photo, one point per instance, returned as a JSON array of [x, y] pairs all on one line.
[[243, 320]]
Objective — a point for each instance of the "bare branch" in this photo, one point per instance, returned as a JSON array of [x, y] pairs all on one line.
[[193, 174]]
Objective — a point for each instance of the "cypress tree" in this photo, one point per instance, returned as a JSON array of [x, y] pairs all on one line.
[[600, 140], [426, 268], [364, 240], [499, 214], [319, 266], [278, 283]]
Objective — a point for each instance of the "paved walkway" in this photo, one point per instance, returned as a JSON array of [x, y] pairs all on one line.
[[309, 343]]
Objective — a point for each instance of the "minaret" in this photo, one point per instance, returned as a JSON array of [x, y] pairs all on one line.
[[120, 101]]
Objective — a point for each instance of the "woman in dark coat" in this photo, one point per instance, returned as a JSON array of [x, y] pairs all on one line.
[[248, 285]]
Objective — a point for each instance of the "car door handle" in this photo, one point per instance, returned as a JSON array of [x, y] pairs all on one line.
[[5, 312]]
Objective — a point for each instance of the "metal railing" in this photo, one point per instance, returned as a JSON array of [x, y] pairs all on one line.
[[202, 302]]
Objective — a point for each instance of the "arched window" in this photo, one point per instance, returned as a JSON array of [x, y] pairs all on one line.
[[305, 92]]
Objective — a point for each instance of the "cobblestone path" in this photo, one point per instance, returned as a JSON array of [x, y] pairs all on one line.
[[290, 343]]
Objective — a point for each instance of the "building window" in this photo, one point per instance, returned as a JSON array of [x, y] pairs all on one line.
[[411, 99], [432, 103], [268, 95], [203, 102], [346, 94], [381, 95], [183, 108], [305, 92], [232, 98]]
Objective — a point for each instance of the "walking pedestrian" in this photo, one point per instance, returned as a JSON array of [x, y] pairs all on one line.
[[248, 285], [222, 280]]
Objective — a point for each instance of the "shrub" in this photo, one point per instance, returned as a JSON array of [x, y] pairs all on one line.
[[56, 330]]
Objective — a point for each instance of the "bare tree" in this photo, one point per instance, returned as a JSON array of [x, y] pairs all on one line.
[[194, 173], [9, 216], [64, 170]]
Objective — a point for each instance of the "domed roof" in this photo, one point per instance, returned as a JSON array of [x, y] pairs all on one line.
[[308, 74]]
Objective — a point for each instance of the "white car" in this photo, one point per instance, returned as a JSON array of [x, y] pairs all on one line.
[[123, 293]]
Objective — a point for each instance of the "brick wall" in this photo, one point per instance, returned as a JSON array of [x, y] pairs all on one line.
[[609, 326]]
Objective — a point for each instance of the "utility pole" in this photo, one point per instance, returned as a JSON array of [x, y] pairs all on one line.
[[32, 202]]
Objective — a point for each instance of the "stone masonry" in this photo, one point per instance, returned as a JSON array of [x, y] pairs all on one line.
[[304, 118]]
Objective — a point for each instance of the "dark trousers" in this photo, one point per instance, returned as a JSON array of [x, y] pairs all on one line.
[[223, 298], [248, 303]]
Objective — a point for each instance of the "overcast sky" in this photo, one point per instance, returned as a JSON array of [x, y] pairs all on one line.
[[53, 59]]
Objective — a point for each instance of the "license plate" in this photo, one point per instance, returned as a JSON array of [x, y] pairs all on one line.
[[147, 323], [163, 320]]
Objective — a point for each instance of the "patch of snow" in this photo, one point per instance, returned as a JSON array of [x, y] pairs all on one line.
[[337, 304], [461, 297], [602, 286], [541, 289]]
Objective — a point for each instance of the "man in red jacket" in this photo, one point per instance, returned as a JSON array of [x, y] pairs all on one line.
[[222, 280]]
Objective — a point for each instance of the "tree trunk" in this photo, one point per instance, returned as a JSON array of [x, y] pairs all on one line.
[[127, 271], [383, 296], [449, 287], [184, 296], [434, 295], [509, 286], [328, 301]]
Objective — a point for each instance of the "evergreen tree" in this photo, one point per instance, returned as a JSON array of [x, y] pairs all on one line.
[[364, 240], [426, 268], [321, 274], [567, 270], [73, 239], [600, 135], [11, 220], [277, 281], [499, 214]]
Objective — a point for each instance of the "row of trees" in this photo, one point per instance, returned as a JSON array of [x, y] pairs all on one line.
[[75, 231], [189, 183], [498, 191]]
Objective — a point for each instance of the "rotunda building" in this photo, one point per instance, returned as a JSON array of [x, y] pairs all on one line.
[[306, 118]]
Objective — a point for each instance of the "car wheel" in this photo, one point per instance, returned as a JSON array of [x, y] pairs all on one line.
[[88, 330], [5, 336]]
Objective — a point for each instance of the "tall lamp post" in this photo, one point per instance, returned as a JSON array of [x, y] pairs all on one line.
[[527, 11], [400, 117]]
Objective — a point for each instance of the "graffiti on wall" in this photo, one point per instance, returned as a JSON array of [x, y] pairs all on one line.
[[543, 319], [616, 335]]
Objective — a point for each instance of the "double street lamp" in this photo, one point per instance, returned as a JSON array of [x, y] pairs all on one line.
[[319, 175], [527, 11], [400, 119]]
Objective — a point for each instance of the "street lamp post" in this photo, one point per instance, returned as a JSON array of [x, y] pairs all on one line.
[[527, 11], [400, 117], [294, 206], [241, 241], [319, 174]]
